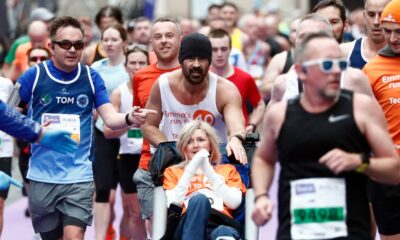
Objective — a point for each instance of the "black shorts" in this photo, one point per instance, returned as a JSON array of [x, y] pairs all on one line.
[[386, 206], [5, 166], [23, 158], [127, 166], [105, 165]]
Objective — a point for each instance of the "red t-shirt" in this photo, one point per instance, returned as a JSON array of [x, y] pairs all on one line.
[[142, 83], [247, 88]]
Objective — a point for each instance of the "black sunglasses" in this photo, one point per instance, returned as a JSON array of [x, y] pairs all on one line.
[[65, 44], [38, 58]]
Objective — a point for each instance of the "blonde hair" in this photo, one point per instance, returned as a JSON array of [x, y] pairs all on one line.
[[187, 132]]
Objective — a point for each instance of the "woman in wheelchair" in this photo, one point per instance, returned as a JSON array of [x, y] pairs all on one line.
[[202, 185]]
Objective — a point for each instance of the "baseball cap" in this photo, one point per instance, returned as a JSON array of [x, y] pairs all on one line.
[[41, 14]]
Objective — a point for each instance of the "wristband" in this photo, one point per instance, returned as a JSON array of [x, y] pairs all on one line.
[[238, 136], [261, 195], [129, 123], [364, 163]]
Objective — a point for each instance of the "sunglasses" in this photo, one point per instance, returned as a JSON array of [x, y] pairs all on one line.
[[65, 44], [326, 65], [38, 58]]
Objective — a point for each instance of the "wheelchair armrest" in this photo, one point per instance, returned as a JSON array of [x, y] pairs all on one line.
[[159, 219], [251, 229]]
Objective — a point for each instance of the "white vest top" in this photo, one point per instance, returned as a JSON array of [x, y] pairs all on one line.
[[131, 141], [176, 114], [292, 85], [6, 143]]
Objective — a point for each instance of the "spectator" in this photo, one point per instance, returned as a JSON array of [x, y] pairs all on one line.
[[105, 16], [38, 36], [221, 46], [131, 141]]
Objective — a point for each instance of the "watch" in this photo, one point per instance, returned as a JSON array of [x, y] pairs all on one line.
[[364, 163], [128, 122]]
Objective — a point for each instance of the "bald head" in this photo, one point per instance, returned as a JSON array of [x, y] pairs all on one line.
[[372, 19], [38, 33], [271, 22], [375, 2], [312, 23], [37, 27]]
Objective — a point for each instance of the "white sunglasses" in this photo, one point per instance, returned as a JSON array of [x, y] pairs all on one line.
[[326, 65]]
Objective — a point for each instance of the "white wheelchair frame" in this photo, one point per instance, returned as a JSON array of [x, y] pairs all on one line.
[[160, 211]]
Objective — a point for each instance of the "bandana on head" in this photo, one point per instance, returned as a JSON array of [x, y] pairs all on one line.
[[195, 45], [391, 13]]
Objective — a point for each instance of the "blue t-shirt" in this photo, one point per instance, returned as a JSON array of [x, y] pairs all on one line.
[[113, 76], [50, 90]]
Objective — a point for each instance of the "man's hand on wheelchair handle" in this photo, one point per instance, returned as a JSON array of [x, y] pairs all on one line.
[[235, 147]]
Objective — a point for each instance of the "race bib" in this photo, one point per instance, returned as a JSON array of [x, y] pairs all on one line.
[[318, 208], [68, 122], [135, 140], [215, 201]]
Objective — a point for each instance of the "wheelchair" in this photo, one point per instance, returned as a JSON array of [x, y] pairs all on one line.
[[167, 155]]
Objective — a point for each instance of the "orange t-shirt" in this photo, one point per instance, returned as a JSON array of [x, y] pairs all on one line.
[[21, 58], [228, 171], [142, 83], [384, 76]]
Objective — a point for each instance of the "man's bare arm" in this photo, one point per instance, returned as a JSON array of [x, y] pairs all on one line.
[[384, 166], [274, 69], [264, 160], [385, 163], [257, 115], [115, 99], [357, 81], [150, 128], [230, 102], [116, 120], [278, 90], [346, 48]]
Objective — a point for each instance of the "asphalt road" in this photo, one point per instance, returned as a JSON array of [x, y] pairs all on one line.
[[14, 192]]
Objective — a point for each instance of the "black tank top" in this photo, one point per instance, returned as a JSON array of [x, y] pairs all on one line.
[[303, 139], [288, 61], [97, 55]]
